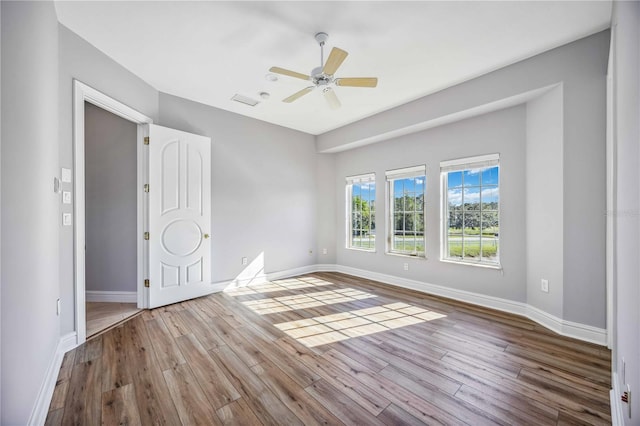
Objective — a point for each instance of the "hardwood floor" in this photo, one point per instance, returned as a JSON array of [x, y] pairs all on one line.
[[101, 315], [329, 348]]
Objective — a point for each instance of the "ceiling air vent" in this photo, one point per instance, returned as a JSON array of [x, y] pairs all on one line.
[[245, 100]]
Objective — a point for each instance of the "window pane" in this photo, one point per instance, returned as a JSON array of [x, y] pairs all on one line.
[[489, 248], [471, 223], [408, 222], [398, 223], [471, 177], [490, 223], [454, 180], [455, 221], [398, 186], [455, 244], [471, 198], [420, 184], [490, 197], [490, 176], [454, 197], [419, 222]]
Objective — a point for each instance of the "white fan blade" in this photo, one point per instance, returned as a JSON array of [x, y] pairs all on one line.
[[332, 98]]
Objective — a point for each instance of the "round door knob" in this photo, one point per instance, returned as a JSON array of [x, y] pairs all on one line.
[[206, 236]]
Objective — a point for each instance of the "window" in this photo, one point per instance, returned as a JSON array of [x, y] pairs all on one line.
[[471, 203], [406, 191], [361, 215]]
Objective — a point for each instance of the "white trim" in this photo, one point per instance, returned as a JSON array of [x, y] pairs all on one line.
[[406, 172], [611, 200], [41, 407], [81, 94], [477, 162], [367, 177], [112, 296], [617, 413]]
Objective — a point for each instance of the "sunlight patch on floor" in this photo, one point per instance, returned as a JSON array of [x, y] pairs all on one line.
[[361, 322], [279, 285], [306, 300]]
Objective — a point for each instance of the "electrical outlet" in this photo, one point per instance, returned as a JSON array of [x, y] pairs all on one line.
[[244, 261], [544, 285], [406, 266], [324, 251], [66, 219], [66, 197]]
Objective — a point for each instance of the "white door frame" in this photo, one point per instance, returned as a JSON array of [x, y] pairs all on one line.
[[81, 94]]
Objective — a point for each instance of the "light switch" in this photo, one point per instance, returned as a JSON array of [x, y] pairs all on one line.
[[66, 197], [65, 175], [66, 219]]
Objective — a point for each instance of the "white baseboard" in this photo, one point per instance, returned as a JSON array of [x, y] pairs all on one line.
[[617, 412], [41, 407], [112, 296]]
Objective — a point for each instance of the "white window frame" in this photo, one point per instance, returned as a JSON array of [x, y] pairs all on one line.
[[391, 177], [460, 165], [350, 181]]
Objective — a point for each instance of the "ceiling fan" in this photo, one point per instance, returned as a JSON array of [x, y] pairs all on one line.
[[323, 78]]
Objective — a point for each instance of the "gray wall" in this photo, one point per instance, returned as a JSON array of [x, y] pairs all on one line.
[[545, 201], [581, 68], [110, 201], [626, 78], [30, 219], [500, 132], [82, 61], [263, 185]]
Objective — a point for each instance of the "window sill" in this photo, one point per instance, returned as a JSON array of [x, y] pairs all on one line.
[[361, 249], [477, 264], [405, 255]]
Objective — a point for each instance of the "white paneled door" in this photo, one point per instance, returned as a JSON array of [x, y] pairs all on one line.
[[179, 216]]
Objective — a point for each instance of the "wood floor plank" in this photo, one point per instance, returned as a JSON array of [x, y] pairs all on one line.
[[298, 372], [90, 350], [238, 413], [119, 407], [362, 395], [54, 417], [68, 361], [215, 385], [207, 337], [84, 397], [155, 404], [423, 409], [501, 409], [164, 346], [394, 415], [115, 365], [293, 396], [343, 407], [59, 395], [191, 402], [269, 409], [377, 354]]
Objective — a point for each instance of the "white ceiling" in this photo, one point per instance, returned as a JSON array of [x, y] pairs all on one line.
[[207, 51]]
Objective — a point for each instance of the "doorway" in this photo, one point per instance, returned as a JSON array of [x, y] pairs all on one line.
[[110, 219], [88, 256]]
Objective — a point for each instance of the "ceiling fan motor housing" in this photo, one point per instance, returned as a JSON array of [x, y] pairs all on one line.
[[319, 78]]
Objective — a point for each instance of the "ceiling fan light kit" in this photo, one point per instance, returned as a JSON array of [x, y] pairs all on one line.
[[323, 76]]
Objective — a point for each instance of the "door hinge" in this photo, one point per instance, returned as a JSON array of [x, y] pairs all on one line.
[[146, 140], [146, 283], [146, 187], [146, 236]]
